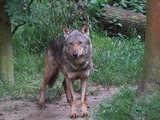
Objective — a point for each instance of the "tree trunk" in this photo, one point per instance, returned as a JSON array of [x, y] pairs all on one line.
[[122, 21], [151, 70], [6, 61]]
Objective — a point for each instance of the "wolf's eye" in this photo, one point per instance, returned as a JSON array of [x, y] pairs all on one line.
[[71, 44], [80, 43]]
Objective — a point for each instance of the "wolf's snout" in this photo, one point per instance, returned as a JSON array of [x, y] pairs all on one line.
[[75, 54]]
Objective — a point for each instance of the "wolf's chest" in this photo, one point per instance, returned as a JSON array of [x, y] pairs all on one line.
[[77, 74], [77, 69]]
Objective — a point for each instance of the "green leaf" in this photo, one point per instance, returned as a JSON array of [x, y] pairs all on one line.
[[119, 24], [94, 1]]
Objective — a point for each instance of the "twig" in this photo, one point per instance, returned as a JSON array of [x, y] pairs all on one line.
[[17, 26], [29, 4], [21, 24]]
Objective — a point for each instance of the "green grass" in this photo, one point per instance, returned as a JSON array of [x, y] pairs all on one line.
[[125, 106], [117, 60]]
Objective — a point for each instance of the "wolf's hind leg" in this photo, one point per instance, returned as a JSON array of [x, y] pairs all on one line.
[[50, 75], [49, 79]]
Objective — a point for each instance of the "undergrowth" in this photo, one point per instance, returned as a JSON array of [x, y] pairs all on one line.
[[126, 106], [117, 60]]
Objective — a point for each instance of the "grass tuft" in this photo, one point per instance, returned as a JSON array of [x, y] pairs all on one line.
[[124, 106]]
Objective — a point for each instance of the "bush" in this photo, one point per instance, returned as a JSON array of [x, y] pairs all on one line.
[[134, 5]]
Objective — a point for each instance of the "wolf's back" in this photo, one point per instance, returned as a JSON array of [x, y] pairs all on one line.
[[55, 47], [53, 60]]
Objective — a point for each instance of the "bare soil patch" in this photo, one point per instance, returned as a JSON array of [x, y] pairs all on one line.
[[58, 110]]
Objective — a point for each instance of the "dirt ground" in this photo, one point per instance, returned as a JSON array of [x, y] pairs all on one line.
[[59, 110]]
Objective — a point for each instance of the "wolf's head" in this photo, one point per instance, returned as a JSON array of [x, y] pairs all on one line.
[[77, 42]]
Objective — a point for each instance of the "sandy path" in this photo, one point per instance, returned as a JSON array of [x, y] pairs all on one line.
[[59, 110]]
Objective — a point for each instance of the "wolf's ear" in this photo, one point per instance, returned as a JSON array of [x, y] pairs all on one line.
[[66, 31], [85, 29]]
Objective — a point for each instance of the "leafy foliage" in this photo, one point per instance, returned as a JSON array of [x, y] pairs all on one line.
[[94, 7], [134, 5], [39, 30], [19, 12], [36, 34], [28, 12]]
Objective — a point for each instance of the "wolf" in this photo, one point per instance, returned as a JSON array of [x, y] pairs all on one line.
[[72, 55]]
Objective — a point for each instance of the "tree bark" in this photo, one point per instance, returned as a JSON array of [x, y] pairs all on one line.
[[6, 61], [151, 69], [122, 21]]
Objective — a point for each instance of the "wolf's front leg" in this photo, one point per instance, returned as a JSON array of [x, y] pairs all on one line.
[[84, 86], [71, 98]]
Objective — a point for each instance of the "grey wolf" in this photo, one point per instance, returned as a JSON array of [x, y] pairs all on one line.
[[72, 55]]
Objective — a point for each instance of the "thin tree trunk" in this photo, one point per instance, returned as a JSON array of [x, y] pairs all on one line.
[[6, 61], [151, 70]]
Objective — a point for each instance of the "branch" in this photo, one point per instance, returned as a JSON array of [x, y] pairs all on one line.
[[21, 24], [16, 27], [30, 4]]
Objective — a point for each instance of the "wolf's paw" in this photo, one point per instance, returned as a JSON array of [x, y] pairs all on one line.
[[74, 115], [41, 103], [84, 113]]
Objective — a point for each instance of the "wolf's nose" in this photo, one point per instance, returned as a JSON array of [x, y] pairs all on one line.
[[75, 54]]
